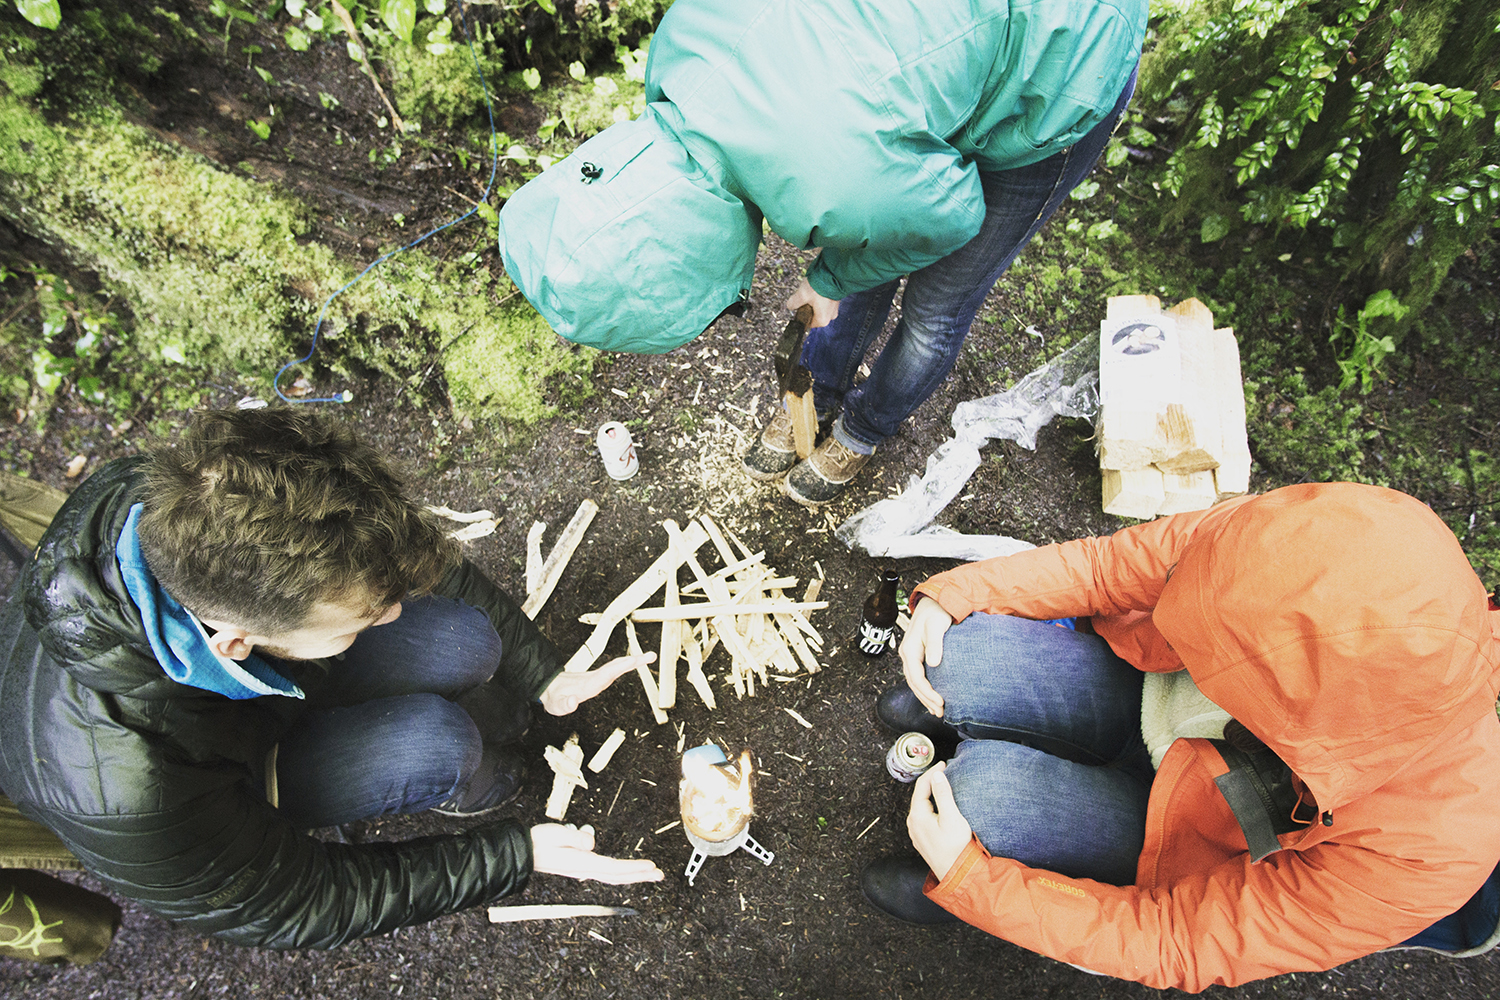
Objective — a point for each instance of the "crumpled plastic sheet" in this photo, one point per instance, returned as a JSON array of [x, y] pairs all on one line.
[[901, 526]]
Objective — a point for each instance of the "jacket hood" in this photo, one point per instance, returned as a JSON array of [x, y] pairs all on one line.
[[1342, 624], [628, 244], [76, 599]]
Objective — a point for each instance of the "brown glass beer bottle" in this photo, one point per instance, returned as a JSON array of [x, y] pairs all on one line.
[[877, 620]]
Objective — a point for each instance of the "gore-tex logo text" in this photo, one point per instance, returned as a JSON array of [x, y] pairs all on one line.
[[1071, 890]]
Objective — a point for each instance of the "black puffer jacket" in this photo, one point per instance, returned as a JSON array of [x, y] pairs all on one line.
[[159, 787]]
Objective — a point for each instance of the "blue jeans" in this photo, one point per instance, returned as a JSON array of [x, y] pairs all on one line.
[[393, 730], [1052, 770], [940, 300]]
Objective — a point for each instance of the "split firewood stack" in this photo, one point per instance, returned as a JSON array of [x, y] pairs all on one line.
[[1171, 427]]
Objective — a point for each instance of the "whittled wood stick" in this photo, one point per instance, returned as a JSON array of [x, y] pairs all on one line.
[[711, 609], [796, 715], [684, 544], [736, 587], [644, 673], [562, 784], [557, 559], [814, 588], [793, 636], [707, 640], [477, 529], [741, 546], [732, 569], [554, 911], [806, 626], [723, 625], [460, 516], [778, 654], [564, 766], [534, 556], [720, 542], [601, 759], [695, 675], [671, 648]]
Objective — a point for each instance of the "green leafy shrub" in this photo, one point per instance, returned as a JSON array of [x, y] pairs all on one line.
[[1361, 363], [1359, 131], [519, 47]]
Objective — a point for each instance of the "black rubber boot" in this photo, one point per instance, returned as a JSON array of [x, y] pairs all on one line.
[[495, 783], [893, 884], [900, 712], [774, 452]]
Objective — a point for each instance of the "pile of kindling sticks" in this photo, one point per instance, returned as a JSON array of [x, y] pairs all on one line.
[[742, 605]]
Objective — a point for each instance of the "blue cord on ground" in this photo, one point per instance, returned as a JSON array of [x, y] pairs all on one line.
[[346, 395]]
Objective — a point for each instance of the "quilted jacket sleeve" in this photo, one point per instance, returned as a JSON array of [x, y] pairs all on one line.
[[228, 865]]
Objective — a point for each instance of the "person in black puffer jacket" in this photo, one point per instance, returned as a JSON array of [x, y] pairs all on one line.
[[256, 633]]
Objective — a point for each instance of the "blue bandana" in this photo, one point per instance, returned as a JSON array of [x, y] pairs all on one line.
[[178, 639]]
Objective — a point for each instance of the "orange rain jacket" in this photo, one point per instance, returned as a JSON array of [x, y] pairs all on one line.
[[1343, 626]]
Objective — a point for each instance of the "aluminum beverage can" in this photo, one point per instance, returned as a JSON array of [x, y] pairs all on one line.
[[618, 450], [909, 756]]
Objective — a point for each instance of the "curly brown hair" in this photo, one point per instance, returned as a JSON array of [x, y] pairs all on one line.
[[258, 515]]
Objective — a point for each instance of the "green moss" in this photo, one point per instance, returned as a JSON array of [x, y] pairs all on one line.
[[21, 80], [441, 87], [1299, 434], [210, 264], [590, 107], [498, 365]]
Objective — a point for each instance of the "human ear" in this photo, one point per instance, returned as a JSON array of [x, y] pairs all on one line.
[[233, 643]]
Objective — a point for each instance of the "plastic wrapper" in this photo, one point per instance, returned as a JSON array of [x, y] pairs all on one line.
[[902, 525]]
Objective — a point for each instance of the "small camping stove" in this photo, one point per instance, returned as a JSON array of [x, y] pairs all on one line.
[[715, 799]]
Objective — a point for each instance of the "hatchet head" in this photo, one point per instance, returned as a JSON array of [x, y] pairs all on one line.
[[791, 374]]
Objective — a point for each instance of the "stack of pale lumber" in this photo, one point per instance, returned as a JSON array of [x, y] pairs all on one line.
[[1171, 426]]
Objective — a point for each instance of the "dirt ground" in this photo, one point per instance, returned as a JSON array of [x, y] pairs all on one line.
[[796, 928]]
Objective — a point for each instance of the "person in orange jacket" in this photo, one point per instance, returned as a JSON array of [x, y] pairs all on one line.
[[1335, 634]]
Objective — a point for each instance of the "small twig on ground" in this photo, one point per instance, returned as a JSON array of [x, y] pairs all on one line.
[[349, 29]]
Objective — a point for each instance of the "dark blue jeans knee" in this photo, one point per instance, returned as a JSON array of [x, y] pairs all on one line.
[[1052, 770], [400, 720], [391, 755]]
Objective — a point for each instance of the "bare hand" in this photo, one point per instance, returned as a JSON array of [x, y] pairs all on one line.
[[568, 690], [559, 849], [922, 648], [938, 830], [824, 310]]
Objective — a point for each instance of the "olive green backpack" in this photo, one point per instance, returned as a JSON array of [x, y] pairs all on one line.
[[42, 917]]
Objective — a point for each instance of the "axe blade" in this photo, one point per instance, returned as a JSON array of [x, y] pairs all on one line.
[[791, 375]]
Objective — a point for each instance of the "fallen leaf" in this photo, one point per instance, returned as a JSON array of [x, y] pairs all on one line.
[[76, 466]]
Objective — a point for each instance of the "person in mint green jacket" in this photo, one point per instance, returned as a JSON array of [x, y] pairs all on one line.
[[929, 139]]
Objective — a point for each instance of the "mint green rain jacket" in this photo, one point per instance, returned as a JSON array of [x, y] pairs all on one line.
[[856, 126]]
